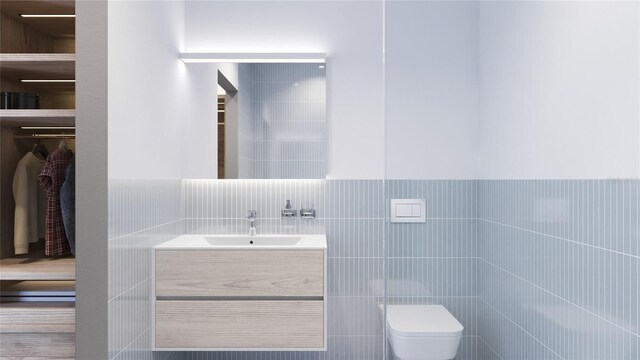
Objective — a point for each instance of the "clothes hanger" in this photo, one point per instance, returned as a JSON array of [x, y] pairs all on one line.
[[40, 150], [63, 144]]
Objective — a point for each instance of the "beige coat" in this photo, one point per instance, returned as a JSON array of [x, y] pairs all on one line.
[[29, 196]]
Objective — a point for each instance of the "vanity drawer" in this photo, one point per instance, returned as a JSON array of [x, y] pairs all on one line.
[[239, 324], [239, 273]]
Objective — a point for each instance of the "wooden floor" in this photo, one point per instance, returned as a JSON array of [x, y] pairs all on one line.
[[37, 267]]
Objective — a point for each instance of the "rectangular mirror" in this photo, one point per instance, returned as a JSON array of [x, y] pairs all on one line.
[[271, 120]]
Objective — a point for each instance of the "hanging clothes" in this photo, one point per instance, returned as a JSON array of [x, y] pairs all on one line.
[[51, 179], [28, 225], [68, 203]]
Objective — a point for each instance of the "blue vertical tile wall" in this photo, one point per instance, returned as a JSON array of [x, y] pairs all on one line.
[[435, 262], [142, 214], [350, 212], [289, 111], [559, 268], [534, 269]]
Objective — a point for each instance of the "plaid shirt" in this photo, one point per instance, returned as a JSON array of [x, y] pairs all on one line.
[[51, 179]]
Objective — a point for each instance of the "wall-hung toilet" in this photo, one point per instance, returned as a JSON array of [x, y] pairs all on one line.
[[422, 332]]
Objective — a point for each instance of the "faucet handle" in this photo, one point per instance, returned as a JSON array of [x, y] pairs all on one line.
[[309, 213], [252, 214]]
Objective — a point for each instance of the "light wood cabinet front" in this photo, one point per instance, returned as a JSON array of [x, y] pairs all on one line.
[[239, 324], [239, 273]]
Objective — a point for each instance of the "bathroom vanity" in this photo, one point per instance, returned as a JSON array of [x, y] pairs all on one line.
[[236, 292]]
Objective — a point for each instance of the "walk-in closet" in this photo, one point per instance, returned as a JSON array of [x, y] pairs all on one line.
[[37, 179]]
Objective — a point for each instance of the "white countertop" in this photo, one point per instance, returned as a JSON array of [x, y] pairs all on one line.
[[245, 242]]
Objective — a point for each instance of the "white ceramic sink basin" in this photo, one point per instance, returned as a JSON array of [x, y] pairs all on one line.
[[244, 242], [253, 240]]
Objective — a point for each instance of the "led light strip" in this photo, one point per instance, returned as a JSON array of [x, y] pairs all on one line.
[[253, 57], [47, 81], [48, 15], [47, 127], [53, 135]]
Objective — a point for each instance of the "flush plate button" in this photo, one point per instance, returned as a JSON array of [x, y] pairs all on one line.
[[408, 210]]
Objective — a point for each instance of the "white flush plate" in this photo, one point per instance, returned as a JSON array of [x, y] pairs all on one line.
[[408, 210]]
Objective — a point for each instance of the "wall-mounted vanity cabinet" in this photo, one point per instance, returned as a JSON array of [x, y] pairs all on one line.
[[214, 292]]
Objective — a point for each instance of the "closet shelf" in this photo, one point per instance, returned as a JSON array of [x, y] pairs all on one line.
[[38, 66], [53, 27], [59, 117], [37, 317], [37, 267], [38, 288]]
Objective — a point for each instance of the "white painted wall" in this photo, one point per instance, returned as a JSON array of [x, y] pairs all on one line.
[[199, 121], [146, 85], [560, 89], [199, 128], [512, 89], [558, 85], [350, 32], [231, 72], [432, 106], [241, 134]]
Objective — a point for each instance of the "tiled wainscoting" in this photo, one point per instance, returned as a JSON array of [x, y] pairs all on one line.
[[436, 262], [559, 268], [533, 269], [142, 214], [350, 213]]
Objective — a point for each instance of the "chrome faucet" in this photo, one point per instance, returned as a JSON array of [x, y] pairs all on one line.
[[252, 222]]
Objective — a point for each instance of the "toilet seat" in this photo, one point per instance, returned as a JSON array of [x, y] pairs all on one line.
[[433, 321]]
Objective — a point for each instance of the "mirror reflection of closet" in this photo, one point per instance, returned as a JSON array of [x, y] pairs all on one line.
[[227, 128]]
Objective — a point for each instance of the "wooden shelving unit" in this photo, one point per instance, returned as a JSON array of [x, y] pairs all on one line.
[[38, 66], [37, 330], [25, 317], [38, 268], [55, 28], [51, 117], [41, 48], [38, 289], [37, 308], [15, 67], [34, 48]]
